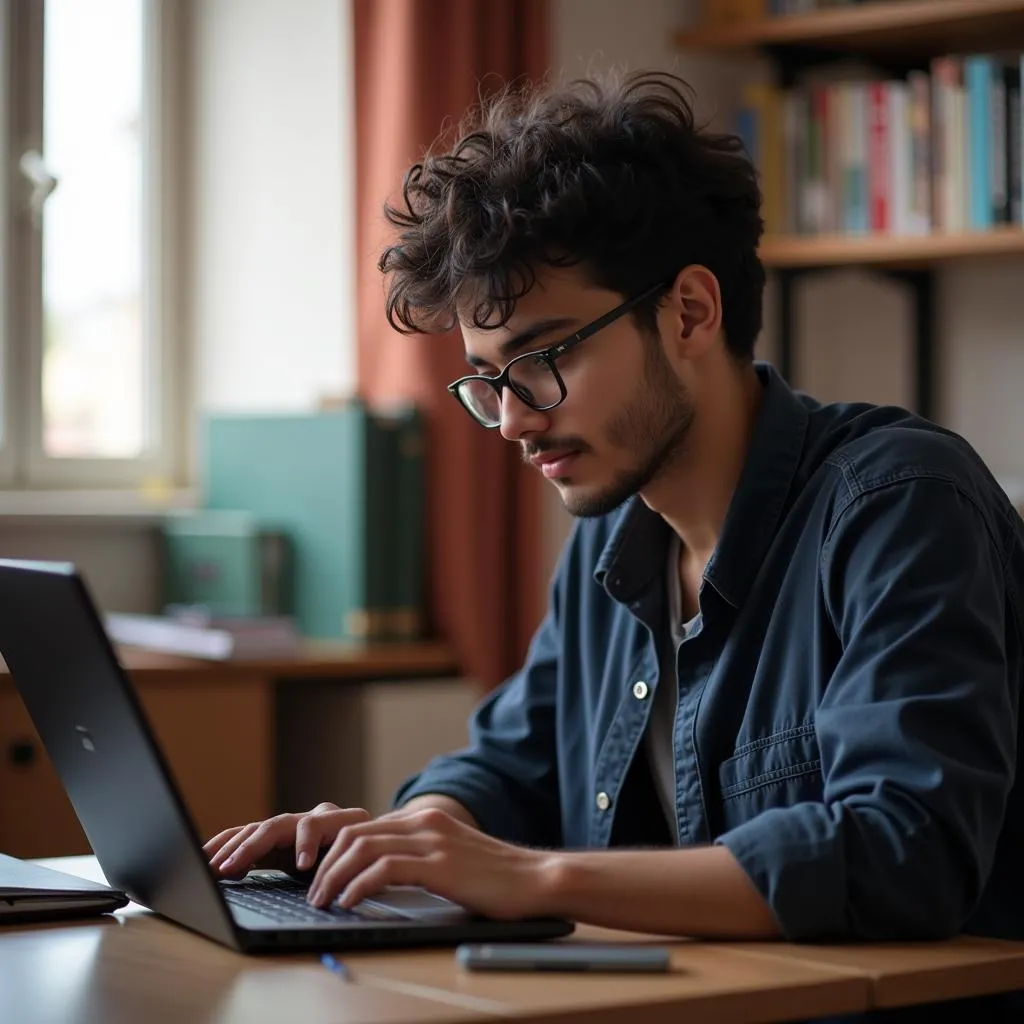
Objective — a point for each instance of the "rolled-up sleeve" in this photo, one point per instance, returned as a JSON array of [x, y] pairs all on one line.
[[507, 776], [916, 727]]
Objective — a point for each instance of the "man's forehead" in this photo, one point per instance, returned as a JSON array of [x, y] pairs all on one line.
[[496, 346]]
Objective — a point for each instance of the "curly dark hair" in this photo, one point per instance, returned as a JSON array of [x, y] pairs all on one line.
[[610, 174]]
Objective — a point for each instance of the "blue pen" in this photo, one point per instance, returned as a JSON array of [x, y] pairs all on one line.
[[336, 966]]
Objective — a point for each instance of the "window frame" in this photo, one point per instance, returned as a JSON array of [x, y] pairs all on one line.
[[24, 464]]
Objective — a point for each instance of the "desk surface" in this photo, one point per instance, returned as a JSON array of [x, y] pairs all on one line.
[[315, 659], [137, 966], [905, 973]]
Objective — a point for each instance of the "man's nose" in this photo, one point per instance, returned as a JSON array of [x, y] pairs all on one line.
[[518, 419]]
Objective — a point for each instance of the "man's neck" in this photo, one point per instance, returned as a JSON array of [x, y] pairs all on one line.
[[694, 494]]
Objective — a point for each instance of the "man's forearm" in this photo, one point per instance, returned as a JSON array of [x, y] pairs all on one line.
[[700, 891], [445, 803]]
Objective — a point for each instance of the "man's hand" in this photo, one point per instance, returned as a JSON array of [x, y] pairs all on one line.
[[288, 842], [430, 848], [293, 842]]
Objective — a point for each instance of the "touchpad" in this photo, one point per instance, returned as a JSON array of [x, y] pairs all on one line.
[[416, 902]]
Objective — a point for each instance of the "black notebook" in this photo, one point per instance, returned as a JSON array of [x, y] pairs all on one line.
[[32, 893]]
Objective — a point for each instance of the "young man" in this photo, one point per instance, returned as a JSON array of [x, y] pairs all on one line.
[[776, 691]]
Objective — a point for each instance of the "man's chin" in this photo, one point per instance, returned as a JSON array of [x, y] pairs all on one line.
[[590, 504]]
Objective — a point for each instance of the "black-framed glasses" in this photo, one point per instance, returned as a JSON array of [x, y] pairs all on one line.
[[533, 376]]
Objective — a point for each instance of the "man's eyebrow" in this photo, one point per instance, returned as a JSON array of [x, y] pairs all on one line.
[[511, 346]]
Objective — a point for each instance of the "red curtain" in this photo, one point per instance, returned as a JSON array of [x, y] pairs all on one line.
[[419, 64]]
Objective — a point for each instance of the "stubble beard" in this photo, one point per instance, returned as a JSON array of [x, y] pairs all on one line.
[[654, 424]]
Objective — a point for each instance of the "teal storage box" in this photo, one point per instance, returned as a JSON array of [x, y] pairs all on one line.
[[228, 561], [346, 486]]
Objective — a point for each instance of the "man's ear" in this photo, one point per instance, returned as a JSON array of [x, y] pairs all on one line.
[[699, 307], [694, 315]]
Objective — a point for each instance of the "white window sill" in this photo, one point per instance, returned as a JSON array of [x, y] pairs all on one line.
[[90, 508]]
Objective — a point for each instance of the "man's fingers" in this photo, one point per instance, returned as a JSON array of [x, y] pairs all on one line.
[[316, 830], [230, 848], [366, 850], [305, 833], [363, 856], [429, 822], [254, 842], [235, 851], [392, 869], [214, 845]]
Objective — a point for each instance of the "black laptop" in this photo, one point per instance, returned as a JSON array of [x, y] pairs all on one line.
[[90, 721]]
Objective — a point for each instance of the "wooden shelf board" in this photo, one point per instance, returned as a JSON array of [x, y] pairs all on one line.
[[909, 26], [890, 250]]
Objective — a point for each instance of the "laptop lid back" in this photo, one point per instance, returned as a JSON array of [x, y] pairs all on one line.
[[100, 741]]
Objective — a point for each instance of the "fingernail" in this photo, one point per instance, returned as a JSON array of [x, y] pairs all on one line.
[[230, 860], [303, 860]]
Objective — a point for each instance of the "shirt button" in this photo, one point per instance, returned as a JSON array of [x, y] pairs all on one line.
[[603, 801], [640, 690]]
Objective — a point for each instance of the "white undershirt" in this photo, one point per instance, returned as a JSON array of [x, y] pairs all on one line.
[[661, 724]]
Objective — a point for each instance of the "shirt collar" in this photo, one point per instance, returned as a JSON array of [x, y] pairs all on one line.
[[636, 550]]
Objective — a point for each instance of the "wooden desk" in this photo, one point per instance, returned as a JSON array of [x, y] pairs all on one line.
[[135, 969], [217, 723], [135, 966], [907, 973], [708, 982]]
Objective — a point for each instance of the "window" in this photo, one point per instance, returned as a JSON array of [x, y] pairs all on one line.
[[87, 395]]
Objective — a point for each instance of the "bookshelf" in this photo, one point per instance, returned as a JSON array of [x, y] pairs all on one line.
[[894, 28], [897, 251], [893, 36]]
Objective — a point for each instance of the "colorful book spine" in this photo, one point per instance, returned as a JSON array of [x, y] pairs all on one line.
[[901, 157], [759, 124], [879, 165], [978, 75], [919, 219]]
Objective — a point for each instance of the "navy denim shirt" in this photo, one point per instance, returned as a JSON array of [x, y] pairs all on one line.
[[847, 721]]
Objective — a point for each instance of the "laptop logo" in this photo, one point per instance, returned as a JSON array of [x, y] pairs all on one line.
[[85, 739]]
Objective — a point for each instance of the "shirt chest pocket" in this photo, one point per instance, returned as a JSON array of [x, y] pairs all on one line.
[[776, 771]]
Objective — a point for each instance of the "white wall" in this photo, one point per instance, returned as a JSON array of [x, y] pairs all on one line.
[[120, 559], [853, 340], [591, 35], [271, 260]]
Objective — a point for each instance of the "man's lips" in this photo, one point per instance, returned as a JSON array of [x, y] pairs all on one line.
[[554, 463]]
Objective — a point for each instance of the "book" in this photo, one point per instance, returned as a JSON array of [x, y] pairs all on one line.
[[978, 80], [211, 637], [406, 598]]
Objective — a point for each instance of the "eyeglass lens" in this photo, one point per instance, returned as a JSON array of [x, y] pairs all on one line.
[[533, 381]]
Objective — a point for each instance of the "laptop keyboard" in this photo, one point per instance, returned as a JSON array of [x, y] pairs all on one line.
[[284, 902]]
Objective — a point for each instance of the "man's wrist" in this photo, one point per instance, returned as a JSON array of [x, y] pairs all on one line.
[[556, 879]]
